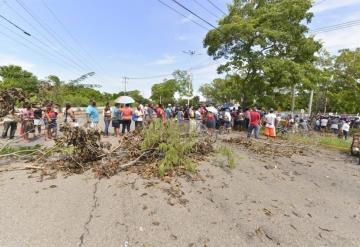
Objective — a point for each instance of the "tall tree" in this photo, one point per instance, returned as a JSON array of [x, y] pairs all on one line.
[[15, 77], [265, 43], [344, 93], [164, 92]]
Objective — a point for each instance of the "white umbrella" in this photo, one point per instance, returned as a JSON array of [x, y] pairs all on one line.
[[125, 100], [212, 109]]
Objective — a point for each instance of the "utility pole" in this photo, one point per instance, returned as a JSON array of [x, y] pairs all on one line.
[[191, 53], [125, 83], [292, 100], [311, 101]]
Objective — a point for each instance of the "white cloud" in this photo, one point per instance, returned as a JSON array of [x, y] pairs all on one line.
[[340, 39], [12, 60], [326, 5], [165, 60], [182, 37]]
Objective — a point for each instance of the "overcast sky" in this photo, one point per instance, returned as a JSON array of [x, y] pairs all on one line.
[[134, 38]]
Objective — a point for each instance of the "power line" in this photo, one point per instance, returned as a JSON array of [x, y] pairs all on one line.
[[337, 26], [28, 34], [71, 35], [50, 32], [206, 9], [32, 36], [216, 7], [35, 51], [187, 9], [173, 9]]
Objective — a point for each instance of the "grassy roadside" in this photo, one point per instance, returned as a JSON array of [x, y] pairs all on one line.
[[326, 141]]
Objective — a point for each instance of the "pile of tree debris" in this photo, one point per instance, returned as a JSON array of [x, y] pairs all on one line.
[[9, 98], [270, 148], [159, 150]]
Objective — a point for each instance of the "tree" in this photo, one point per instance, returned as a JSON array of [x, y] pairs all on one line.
[[265, 44], [164, 92], [184, 83], [344, 91], [15, 77]]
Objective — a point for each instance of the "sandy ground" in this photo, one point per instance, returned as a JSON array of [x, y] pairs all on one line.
[[311, 200]]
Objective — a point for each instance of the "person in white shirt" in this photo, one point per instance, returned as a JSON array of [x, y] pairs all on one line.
[[227, 118], [270, 124], [138, 118], [345, 128], [323, 122]]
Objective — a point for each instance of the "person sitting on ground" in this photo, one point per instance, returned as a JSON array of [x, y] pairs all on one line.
[[92, 115]]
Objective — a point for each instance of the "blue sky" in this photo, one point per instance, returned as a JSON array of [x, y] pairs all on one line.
[[134, 38]]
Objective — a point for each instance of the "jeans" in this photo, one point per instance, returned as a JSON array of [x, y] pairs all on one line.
[[125, 125], [345, 133], [9, 125], [107, 124], [256, 129]]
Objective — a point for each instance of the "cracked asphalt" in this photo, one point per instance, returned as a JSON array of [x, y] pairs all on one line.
[[309, 200]]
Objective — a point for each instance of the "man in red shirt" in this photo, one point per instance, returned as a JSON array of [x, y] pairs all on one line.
[[254, 123]]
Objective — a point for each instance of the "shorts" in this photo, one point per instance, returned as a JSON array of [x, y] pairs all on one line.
[[38, 122], [116, 123], [270, 132]]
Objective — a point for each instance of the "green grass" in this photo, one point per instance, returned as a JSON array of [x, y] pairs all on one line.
[[229, 155], [19, 150], [332, 142]]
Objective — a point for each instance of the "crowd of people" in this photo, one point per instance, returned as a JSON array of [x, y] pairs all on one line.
[[36, 120]]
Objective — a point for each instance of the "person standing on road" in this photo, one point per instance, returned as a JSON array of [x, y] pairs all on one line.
[[168, 111], [254, 124], [69, 114], [107, 119], [10, 122], [27, 121], [126, 118], [38, 119], [139, 116], [270, 123], [92, 114], [116, 116], [345, 129], [324, 123]]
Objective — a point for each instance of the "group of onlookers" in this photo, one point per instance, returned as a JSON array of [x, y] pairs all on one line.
[[33, 120], [335, 124]]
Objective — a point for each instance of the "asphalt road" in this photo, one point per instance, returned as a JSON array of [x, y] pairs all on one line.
[[310, 200]]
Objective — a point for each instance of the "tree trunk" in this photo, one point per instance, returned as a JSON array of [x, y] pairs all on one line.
[[292, 100]]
